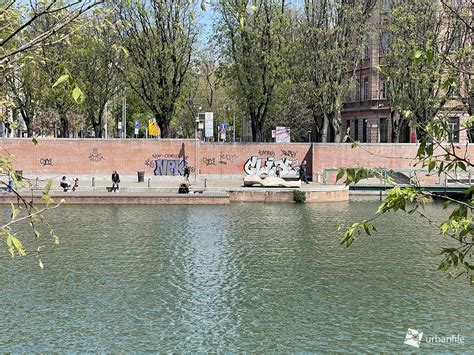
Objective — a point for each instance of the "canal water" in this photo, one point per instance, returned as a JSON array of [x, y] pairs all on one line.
[[243, 277]]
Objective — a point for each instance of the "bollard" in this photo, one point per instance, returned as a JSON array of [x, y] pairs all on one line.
[[149, 179], [93, 181], [205, 183], [36, 183]]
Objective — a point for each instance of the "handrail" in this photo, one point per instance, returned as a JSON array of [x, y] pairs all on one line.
[[385, 171]]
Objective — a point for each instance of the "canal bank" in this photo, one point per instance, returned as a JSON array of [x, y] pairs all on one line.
[[170, 196]]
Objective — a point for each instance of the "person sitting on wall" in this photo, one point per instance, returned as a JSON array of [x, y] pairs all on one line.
[[65, 184], [76, 184]]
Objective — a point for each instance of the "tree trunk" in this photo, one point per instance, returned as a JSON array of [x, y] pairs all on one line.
[[28, 119], [64, 125], [256, 128], [100, 123], [325, 130], [396, 126], [164, 130], [97, 129], [336, 124]]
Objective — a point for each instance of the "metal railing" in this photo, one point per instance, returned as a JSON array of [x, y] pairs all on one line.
[[443, 178]]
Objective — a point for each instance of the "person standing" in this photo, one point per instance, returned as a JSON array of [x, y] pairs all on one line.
[[115, 181], [186, 174], [303, 176]]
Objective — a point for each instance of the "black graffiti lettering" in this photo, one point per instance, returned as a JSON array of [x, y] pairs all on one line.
[[46, 161], [228, 157], [269, 153], [209, 161], [95, 156], [288, 153]]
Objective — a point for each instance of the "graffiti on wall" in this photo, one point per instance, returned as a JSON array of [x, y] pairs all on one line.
[[224, 158], [46, 161], [95, 156], [172, 167], [288, 153], [270, 153], [209, 161], [257, 165]]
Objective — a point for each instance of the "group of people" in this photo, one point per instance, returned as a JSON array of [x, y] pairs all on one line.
[[116, 179], [66, 185]]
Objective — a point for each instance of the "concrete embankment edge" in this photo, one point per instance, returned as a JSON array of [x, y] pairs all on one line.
[[221, 198]]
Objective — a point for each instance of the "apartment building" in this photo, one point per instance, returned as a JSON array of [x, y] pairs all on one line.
[[367, 110]]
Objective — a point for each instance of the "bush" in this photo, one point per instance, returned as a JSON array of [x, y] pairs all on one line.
[[299, 196]]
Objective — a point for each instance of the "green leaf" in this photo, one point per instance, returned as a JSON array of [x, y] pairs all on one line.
[[77, 94], [417, 54], [47, 187], [340, 174], [431, 165], [62, 79]]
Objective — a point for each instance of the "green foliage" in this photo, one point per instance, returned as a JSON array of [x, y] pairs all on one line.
[[25, 211], [67, 78], [299, 196], [253, 43], [458, 228]]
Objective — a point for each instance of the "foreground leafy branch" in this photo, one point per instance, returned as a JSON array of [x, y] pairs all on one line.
[[24, 210]]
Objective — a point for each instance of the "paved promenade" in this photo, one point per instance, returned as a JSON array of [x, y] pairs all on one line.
[[130, 184]]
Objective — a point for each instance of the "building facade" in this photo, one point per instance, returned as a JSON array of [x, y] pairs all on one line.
[[367, 110]]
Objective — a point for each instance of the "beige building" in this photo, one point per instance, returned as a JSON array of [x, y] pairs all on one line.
[[367, 111]]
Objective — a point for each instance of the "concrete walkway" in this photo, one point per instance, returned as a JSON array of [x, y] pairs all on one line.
[[154, 184]]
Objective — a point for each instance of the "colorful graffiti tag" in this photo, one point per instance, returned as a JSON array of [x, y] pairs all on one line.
[[173, 167], [256, 165]]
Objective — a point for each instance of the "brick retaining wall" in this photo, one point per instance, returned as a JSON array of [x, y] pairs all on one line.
[[168, 157]]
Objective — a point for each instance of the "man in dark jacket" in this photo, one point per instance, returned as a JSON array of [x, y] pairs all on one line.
[[115, 181], [303, 176]]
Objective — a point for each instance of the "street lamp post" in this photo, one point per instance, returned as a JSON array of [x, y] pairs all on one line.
[[196, 168], [196, 164]]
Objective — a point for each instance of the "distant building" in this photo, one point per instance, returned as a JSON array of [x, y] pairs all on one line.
[[367, 111]]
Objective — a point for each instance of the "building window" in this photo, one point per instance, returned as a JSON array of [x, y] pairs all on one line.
[[357, 90], [384, 43], [454, 130], [383, 130], [364, 131], [383, 89], [366, 88], [347, 126], [366, 51], [356, 130]]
